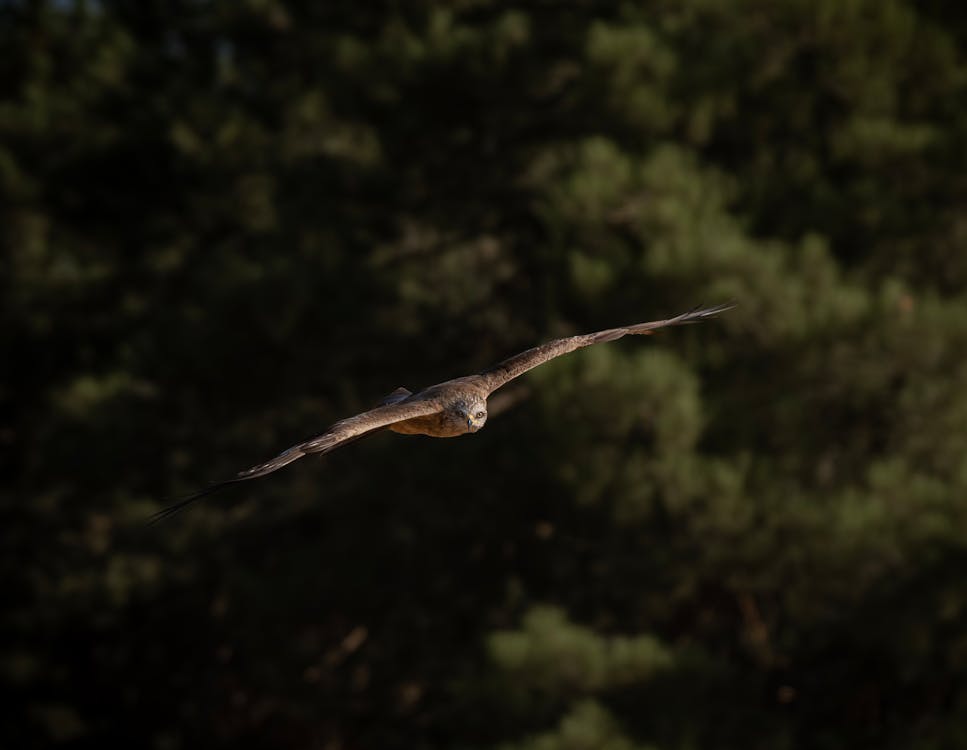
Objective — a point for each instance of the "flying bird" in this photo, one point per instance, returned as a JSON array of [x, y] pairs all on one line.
[[454, 407]]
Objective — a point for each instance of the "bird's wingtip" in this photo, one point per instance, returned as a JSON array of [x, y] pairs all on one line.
[[701, 312], [170, 510], [722, 307]]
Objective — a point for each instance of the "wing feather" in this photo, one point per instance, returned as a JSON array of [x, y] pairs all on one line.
[[340, 434], [496, 376]]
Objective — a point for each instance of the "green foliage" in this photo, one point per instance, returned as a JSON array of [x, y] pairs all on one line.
[[228, 224], [587, 727], [552, 655]]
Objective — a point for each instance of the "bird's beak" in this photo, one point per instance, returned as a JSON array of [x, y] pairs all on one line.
[[469, 424]]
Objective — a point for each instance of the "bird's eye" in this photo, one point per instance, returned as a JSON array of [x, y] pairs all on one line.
[[479, 415]]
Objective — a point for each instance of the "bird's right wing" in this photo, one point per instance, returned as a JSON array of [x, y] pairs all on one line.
[[338, 435]]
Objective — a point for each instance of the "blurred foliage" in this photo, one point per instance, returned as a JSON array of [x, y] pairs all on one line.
[[228, 223]]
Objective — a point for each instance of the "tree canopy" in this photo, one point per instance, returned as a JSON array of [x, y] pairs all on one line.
[[229, 223]]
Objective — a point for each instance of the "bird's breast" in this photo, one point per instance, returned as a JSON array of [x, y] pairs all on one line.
[[441, 424]]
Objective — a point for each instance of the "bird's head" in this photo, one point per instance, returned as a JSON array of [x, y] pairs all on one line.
[[474, 413]]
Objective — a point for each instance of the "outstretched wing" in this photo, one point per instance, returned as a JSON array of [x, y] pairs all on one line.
[[340, 434], [510, 368]]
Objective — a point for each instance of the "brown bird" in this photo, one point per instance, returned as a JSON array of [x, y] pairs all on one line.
[[454, 407]]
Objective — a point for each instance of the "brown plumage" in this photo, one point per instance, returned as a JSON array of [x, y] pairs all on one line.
[[454, 407]]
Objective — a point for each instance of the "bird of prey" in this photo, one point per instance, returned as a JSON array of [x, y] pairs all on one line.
[[454, 407]]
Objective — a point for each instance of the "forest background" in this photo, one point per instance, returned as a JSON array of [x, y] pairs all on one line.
[[227, 224]]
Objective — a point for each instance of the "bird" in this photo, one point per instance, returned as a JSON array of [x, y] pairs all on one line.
[[448, 409]]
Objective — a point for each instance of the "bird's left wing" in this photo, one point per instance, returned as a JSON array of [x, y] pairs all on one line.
[[510, 368], [339, 434]]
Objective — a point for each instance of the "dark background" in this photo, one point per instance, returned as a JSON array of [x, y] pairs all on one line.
[[227, 224]]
